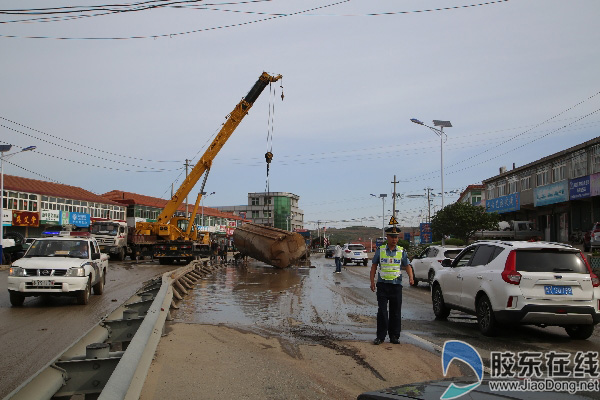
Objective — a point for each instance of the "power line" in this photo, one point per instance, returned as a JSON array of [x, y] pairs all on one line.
[[270, 16]]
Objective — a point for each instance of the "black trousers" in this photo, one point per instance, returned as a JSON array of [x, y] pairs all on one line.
[[389, 322]]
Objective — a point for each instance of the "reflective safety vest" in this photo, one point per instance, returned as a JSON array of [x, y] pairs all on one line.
[[389, 267]]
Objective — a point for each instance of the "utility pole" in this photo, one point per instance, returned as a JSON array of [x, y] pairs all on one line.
[[394, 199], [428, 206]]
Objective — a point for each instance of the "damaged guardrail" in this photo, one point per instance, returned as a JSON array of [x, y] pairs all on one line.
[[132, 332]]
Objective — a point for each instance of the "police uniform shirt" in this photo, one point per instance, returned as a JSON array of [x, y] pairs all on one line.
[[404, 262]]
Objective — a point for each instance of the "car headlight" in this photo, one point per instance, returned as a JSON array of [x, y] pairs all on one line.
[[77, 271], [16, 271]]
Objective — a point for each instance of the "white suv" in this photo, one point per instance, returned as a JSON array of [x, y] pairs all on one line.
[[430, 260], [530, 283], [354, 253]]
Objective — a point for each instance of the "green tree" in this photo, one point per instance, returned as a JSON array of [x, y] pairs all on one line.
[[462, 220]]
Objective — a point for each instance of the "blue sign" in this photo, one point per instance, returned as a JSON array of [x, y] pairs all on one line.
[[580, 188], [407, 236], [74, 218], [426, 236], [550, 194], [503, 204]]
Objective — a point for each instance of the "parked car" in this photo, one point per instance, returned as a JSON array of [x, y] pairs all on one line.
[[591, 239], [426, 264], [354, 253], [329, 251], [529, 283]]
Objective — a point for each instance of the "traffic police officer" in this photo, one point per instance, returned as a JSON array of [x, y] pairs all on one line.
[[387, 263]]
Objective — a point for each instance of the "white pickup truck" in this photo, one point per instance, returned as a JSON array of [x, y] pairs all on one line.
[[70, 265]]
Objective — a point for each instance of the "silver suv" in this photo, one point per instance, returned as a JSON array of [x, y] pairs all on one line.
[[529, 283]]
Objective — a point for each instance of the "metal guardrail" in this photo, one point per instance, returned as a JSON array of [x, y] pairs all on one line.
[[88, 366]]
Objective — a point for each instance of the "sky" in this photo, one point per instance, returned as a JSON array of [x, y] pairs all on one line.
[[117, 99]]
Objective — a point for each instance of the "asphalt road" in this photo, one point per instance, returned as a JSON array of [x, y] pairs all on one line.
[[33, 335]]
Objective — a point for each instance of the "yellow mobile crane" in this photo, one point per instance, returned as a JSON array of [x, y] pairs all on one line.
[[170, 242]]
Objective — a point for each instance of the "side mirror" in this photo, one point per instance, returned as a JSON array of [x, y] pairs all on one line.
[[95, 256], [446, 262]]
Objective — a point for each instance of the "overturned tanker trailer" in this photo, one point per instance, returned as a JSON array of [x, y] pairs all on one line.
[[272, 246]]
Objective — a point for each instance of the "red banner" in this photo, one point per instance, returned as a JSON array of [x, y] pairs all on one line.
[[26, 218]]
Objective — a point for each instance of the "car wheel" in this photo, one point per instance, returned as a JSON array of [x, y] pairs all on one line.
[[431, 276], [83, 296], [579, 332], [365, 262], [485, 317], [99, 287], [16, 299], [440, 309]]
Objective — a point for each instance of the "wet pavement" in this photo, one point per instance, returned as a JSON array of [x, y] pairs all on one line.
[[293, 303]]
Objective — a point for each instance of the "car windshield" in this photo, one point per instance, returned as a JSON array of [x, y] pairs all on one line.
[[59, 248], [549, 260], [356, 247], [452, 253], [105, 229]]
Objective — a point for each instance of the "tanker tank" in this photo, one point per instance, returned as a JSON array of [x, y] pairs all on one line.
[[272, 246]]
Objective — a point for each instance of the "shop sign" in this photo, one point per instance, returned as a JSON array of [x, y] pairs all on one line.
[[232, 224], [81, 220], [230, 231], [595, 184], [550, 194], [6, 217], [426, 236], [580, 188], [50, 217], [508, 203], [25, 218]]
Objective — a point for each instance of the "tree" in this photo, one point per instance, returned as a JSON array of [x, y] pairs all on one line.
[[462, 220]]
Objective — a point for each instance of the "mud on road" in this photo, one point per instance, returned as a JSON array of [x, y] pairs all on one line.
[[256, 332]]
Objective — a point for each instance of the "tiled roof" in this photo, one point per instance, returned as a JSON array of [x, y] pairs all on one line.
[[133, 198], [470, 188], [27, 185]]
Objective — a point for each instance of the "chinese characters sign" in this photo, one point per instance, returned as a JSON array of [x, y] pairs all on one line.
[[580, 188], [25, 218], [426, 236], [503, 204], [550, 194]]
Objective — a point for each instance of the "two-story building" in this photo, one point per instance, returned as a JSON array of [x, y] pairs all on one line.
[[560, 192]]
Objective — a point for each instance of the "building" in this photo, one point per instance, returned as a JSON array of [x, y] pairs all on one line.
[[141, 208], [31, 206], [560, 192], [278, 209], [474, 195]]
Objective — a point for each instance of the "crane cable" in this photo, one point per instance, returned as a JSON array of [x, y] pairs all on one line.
[[270, 125]]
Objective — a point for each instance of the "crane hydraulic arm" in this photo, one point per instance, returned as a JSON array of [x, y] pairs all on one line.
[[233, 120]]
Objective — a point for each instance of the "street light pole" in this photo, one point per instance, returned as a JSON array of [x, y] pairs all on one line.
[[382, 196], [3, 149], [439, 132]]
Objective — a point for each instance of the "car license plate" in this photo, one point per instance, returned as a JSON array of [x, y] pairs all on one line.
[[102, 248], [357, 253], [558, 290], [42, 283], [174, 248]]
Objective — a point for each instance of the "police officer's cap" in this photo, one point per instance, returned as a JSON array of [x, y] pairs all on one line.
[[392, 231]]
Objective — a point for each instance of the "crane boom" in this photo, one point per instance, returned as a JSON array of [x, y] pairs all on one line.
[[233, 120]]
